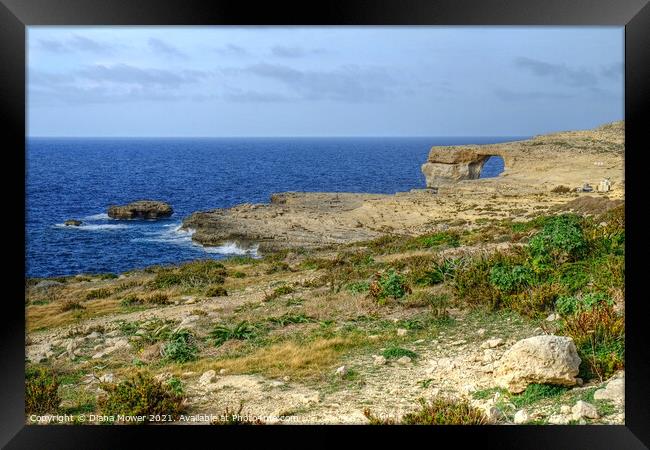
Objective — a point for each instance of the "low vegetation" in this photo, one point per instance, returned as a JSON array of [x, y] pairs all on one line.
[[439, 411], [41, 391], [196, 274], [300, 315], [141, 395]]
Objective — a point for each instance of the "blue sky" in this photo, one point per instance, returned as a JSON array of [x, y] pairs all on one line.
[[322, 81]]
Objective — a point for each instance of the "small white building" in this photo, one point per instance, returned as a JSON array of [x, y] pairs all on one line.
[[604, 186]]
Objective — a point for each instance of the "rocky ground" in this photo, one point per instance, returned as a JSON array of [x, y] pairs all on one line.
[[306, 341]]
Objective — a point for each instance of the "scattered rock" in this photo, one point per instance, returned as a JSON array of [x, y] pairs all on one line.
[[492, 413], [341, 371], [614, 391], [552, 317], [565, 409], [489, 355], [107, 378], [480, 331], [558, 419], [404, 360], [72, 223], [379, 360], [521, 416], [223, 371], [207, 377], [141, 209], [117, 344], [492, 343], [583, 409], [402, 331], [188, 322], [94, 335], [545, 359]]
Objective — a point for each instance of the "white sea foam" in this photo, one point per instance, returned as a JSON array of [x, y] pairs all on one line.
[[102, 216], [95, 227], [171, 234], [231, 248]]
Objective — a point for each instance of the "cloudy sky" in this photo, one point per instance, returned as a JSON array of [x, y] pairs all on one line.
[[322, 81]]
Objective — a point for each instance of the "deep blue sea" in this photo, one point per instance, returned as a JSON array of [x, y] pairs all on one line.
[[80, 178]]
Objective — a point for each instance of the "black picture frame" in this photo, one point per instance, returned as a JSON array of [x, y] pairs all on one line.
[[16, 15]]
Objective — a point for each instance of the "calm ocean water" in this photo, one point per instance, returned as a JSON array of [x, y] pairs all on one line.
[[79, 178]]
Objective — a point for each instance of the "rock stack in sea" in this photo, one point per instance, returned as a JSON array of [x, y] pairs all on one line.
[[141, 209]]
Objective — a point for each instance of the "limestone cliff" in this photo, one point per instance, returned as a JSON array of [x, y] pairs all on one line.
[[542, 156]]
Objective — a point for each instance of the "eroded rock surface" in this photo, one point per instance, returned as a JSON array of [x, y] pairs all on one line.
[[141, 209], [543, 359]]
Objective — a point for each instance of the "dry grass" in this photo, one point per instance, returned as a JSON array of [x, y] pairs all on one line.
[[343, 305], [300, 360]]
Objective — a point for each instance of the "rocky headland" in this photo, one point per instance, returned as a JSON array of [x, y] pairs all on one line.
[[534, 170]]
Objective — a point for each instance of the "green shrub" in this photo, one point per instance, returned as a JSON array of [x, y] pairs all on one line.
[[440, 411], [607, 272], [522, 227], [437, 239], [41, 391], [176, 385], [241, 331], [561, 239], [181, 347], [140, 395], [534, 301], [574, 276], [599, 336], [98, 293], [398, 352], [239, 274], [510, 279], [388, 284], [569, 305], [606, 233], [195, 274], [358, 287], [216, 291], [472, 282]]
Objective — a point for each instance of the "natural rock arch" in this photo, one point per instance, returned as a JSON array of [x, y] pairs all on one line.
[[448, 165]]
